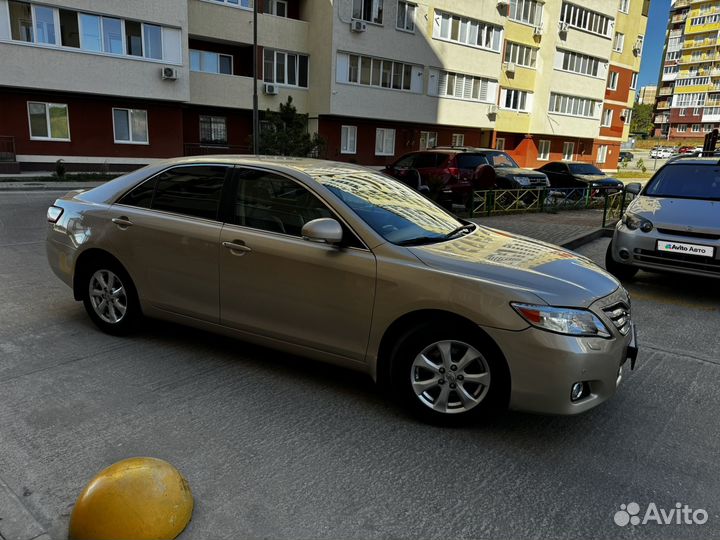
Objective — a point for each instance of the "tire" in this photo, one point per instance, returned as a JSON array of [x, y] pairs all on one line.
[[109, 297], [624, 272], [420, 356]]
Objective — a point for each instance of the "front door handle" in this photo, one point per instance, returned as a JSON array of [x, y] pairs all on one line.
[[122, 222], [234, 246]]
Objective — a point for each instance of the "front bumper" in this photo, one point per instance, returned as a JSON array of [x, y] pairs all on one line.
[[544, 366]]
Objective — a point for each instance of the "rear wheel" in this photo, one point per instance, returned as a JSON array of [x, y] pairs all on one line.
[[110, 298], [448, 375], [623, 272]]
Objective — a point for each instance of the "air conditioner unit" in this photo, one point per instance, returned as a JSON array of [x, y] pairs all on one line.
[[168, 73], [537, 31], [358, 26], [270, 89], [563, 27], [492, 109], [510, 67]]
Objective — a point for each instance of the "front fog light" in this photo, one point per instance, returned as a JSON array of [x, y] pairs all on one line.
[[577, 391]]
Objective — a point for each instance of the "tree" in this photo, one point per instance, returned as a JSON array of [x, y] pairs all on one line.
[[642, 119], [284, 133]]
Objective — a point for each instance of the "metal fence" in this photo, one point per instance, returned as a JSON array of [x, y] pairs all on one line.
[[507, 201]]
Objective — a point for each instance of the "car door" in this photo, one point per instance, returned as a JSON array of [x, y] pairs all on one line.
[[167, 234], [276, 285]]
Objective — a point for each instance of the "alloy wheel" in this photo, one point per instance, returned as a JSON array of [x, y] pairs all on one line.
[[108, 296]]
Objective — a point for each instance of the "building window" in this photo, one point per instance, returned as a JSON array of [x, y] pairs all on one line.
[[526, 11], [405, 16], [289, 69], [607, 118], [236, 3], [500, 143], [585, 19], [21, 25], [516, 100], [707, 127], [377, 72], [602, 153], [348, 139], [689, 100], [428, 139], [682, 112], [572, 105], [696, 111], [568, 151], [48, 121], [210, 62], [580, 63], [384, 142], [624, 6], [213, 129], [544, 151], [276, 7], [682, 128], [634, 81], [521, 55], [618, 42], [368, 10], [613, 80], [130, 126], [458, 139], [467, 31], [628, 116], [459, 86], [637, 49], [696, 128], [44, 25]]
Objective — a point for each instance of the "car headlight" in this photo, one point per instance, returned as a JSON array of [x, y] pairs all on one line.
[[633, 222], [571, 322], [522, 180]]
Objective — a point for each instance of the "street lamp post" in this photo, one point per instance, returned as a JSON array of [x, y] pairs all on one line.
[[256, 122]]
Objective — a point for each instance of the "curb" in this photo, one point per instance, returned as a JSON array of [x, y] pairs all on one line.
[[16, 522], [49, 186], [586, 238]]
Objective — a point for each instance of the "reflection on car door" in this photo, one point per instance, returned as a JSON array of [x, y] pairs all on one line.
[[167, 235], [277, 285]]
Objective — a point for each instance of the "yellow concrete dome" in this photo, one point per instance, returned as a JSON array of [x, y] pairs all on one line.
[[136, 498]]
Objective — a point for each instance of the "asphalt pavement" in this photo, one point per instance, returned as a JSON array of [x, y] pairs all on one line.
[[275, 446]]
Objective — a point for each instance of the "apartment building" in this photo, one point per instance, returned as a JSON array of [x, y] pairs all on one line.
[[647, 95], [688, 97], [119, 84]]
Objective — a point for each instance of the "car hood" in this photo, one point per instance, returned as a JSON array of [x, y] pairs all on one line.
[[597, 178], [558, 276], [679, 214], [516, 171]]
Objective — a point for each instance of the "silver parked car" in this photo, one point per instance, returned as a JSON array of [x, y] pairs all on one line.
[[345, 265], [673, 224]]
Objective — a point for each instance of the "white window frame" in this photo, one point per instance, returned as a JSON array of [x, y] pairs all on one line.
[[602, 154], [47, 121], [500, 143], [275, 53], [519, 11], [345, 138], [587, 20], [130, 133], [428, 140], [568, 150], [520, 54], [576, 106], [464, 87], [383, 151], [458, 139], [524, 99], [607, 118], [241, 4], [409, 19], [218, 55], [404, 68], [695, 128], [473, 29], [582, 64], [213, 118], [544, 146], [376, 6], [634, 81], [618, 42], [628, 116], [273, 4], [681, 128], [624, 6], [56, 25], [613, 78], [696, 111]]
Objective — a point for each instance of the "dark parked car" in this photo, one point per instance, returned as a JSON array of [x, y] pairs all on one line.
[[459, 170], [626, 156], [570, 174]]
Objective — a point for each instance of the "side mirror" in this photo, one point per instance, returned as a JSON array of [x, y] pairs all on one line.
[[322, 231], [633, 188]]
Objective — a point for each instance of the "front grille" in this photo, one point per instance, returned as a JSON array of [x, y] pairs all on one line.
[[678, 260], [619, 314], [705, 236]]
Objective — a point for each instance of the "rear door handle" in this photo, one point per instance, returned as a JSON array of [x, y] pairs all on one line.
[[122, 221], [233, 246]]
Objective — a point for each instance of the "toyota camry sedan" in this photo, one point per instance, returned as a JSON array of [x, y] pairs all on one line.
[[344, 265]]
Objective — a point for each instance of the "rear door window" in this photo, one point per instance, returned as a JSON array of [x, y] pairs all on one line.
[[471, 161]]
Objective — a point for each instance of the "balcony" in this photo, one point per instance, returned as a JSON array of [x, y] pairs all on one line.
[[679, 17], [665, 92], [661, 119], [663, 105]]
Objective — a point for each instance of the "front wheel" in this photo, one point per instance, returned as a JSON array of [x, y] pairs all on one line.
[[624, 272], [446, 375], [110, 298]]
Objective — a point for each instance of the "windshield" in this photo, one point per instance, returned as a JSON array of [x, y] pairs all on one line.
[[396, 212], [585, 168], [686, 182]]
